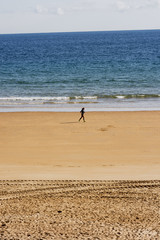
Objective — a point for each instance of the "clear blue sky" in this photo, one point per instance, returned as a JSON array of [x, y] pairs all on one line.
[[29, 16]]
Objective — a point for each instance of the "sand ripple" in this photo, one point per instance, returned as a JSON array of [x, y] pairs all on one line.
[[80, 210]]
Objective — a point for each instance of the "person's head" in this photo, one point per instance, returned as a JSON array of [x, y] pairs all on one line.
[[83, 108]]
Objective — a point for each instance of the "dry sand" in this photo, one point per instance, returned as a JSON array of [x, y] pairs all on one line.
[[88, 210], [109, 145], [55, 146]]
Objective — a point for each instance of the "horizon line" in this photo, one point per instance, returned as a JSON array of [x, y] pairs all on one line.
[[85, 31]]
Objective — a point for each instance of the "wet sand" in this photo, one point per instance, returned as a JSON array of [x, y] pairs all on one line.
[[109, 145]]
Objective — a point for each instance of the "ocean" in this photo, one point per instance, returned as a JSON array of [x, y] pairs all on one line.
[[101, 71]]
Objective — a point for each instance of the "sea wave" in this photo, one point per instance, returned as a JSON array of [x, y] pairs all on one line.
[[37, 100], [128, 96], [84, 97], [34, 100]]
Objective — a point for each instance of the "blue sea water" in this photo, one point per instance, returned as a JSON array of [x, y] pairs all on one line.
[[117, 70]]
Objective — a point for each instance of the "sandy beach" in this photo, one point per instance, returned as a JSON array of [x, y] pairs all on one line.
[[64, 179], [109, 145], [101, 210]]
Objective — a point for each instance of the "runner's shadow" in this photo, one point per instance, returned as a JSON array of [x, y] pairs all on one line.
[[68, 122]]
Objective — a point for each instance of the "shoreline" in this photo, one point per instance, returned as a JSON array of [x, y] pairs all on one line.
[[54, 145], [146, 104], [75, 110]]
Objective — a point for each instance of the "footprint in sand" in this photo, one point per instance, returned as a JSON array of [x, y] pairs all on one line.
[[106, 128]]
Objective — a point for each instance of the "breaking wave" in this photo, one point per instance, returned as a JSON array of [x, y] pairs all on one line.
[[37, 100]]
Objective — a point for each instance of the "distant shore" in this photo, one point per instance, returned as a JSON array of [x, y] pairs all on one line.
[[54, 145]]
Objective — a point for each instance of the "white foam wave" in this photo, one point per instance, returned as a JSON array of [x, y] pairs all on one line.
[[86, 97], [45, 98], [33, 98], [38, 100], [120, 97]]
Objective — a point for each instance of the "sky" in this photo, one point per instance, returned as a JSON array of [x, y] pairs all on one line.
[[37, 16]]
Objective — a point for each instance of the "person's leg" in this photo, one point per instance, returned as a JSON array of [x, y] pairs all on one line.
[[83, 119]]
